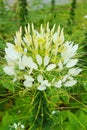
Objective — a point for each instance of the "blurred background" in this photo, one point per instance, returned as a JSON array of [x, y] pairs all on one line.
[[70, 14]]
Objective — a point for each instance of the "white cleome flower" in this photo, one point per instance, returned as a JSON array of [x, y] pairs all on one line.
[[42, 58]]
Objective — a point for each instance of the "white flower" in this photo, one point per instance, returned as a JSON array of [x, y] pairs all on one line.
[[43, 83], [9, 70], [28, 81], [40, 57]]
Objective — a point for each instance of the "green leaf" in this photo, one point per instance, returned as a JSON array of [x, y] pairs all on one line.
[[7, 119], [75, 123], [82, 117]]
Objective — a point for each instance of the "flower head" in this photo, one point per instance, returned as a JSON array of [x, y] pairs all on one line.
[[42, 58]]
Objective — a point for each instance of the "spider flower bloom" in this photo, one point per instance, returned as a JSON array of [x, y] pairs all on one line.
[[42, 58]]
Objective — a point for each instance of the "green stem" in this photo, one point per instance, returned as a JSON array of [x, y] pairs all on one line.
[[40, 112]]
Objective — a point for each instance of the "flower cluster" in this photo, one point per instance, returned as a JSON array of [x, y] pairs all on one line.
[[42, 59], [17, 126]]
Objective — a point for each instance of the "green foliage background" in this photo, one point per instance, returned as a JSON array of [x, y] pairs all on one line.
[[70, 104]]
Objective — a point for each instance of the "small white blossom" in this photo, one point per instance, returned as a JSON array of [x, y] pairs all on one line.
[[17, 126]]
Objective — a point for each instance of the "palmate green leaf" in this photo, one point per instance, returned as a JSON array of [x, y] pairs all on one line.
[[60, 119], [6, 121], [6, 82], [82, 116], [75, 123], [8, 85]]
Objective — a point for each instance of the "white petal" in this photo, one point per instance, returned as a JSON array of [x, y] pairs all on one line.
[[39, 59], [27, 83], [12, 54], [71, 63], [75, 71], [65, 78], [55, 37], [60, 65], [10, 45], [75, 47], [21, 66], [14, 80], [28, 62], [29, 78], [22, 126], [45, 82], [40, 78], [26, 41], [53, 112], [70, 83], [51, 67], [46, 60], [42, 87], [58, 84], [25, 50], [9, 70], [85, 16], [15, 125], [33, 66]]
